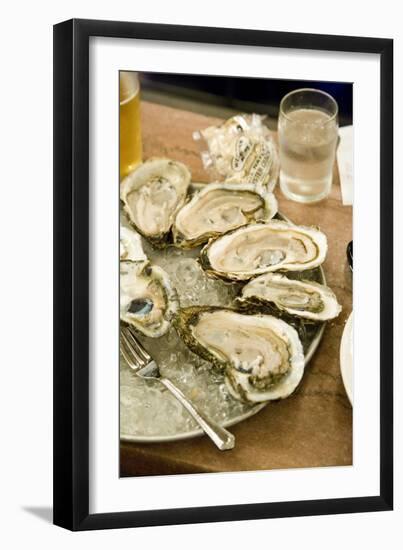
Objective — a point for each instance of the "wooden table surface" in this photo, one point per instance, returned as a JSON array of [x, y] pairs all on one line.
[[313, 427]]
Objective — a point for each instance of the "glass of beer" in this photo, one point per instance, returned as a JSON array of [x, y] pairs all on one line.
[[130, 147], [308, 133]]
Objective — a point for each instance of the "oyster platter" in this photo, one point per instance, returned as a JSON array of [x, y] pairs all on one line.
[[227, 295]]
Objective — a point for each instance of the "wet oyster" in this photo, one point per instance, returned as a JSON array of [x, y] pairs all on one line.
[[262, 356], [130, 246], [301, 298], [152, 194], [260, 248], [148, 301], [218, 208]]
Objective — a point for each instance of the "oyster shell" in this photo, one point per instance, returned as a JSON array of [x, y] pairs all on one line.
[[259, 248], [130, 246], [152, 194], [262, 356], [218, 208], [305, 299], [148, 301]]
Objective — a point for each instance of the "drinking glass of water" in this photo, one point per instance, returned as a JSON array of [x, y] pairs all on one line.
[[308, 132]]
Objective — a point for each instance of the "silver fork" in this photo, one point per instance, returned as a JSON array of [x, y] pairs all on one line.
[[144, 365]]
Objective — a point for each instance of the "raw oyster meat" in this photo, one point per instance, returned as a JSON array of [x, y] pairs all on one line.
[[305, 299], [262, 356], [219, 208], [259, 248], [130, 246], [152, 194], [148, 301]]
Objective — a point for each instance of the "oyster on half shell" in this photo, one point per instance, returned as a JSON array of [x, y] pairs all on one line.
[[148, 301], [130, 245], [305, 299], [218, 208], [262, 356], [259, 248], [152, 194]]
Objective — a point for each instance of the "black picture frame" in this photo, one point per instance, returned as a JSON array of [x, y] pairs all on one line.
[[71, 274]]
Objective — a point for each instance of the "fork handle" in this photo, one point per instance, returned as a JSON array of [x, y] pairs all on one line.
[[223, 439]]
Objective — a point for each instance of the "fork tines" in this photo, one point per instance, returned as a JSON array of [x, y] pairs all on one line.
[[131, 347]]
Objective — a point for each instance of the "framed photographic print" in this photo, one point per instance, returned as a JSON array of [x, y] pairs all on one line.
[[219, 355]]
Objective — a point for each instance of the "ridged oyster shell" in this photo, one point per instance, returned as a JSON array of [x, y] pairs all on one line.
[[148, 300], [218, 208], [152, 194], [262, 356], [130, 246], [305, 299], [259, 248]]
